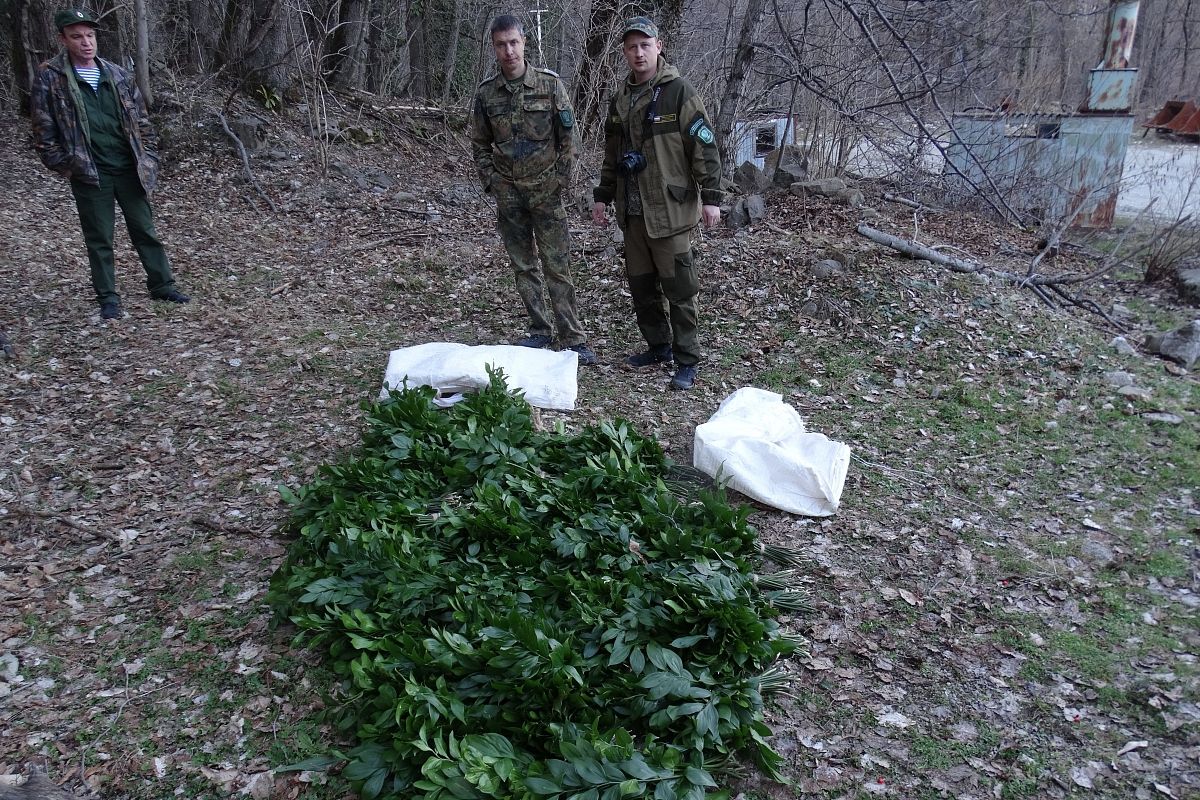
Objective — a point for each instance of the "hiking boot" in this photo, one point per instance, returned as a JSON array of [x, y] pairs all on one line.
[[660, 354], [536, 341], [111, 311], [685, 377], [587, 356], [173, 296]]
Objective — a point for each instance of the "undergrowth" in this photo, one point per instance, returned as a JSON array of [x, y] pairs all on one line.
[[516, 613]]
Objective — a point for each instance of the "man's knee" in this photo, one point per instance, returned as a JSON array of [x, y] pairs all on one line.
[[685, 283]]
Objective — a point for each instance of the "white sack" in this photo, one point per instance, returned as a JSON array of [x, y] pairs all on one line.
[[548, 378], [759, 445]]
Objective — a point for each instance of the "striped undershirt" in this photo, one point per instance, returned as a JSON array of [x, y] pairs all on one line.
[[90, 76]]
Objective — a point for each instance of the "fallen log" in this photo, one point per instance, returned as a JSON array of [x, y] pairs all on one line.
[[915, 250]]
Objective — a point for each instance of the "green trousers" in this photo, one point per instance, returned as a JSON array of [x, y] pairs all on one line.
[[664, 284], [97, 218], [529, 217]]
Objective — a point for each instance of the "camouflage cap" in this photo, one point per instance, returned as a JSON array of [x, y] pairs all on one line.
[[640, 25], [75, 16]]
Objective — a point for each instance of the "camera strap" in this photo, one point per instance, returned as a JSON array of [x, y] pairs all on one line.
[[646, 133]]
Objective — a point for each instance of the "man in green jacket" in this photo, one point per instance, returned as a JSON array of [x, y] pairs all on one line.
[[90, 125], [662, 173], [524, 142]]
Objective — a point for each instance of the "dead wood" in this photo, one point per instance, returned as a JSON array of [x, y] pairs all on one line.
[[241, 148]]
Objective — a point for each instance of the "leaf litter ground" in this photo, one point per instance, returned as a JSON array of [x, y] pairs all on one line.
[[1005, 602]]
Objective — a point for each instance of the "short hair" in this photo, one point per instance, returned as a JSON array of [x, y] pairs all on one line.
[[506, 22]]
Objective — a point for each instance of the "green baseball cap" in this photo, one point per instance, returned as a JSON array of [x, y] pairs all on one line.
[[640, 25], [75, 16]]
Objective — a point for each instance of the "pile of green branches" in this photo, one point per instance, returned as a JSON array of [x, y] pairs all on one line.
[[525, 614]]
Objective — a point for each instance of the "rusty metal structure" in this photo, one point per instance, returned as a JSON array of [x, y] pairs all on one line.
[[1058, 165], [1177, 118]]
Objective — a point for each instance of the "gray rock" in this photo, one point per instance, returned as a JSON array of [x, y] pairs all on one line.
[[1163, 417], [738, 217], [1187, 281], [787, 174], [1181, 345], [870, 215], [756, 208], [1135, 393], [1097, 554], [404, 197], [1118, 378], [1122, 346], [250, 130], [825, 269], [36, 787], [833, 188], [824, 187], [749, 178]]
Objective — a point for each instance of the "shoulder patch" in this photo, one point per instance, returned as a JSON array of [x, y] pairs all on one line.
[[700, 131], [566, 118]]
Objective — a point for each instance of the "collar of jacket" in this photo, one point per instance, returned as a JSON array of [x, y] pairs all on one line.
[[61, 63], [663, 73], [527, 79]]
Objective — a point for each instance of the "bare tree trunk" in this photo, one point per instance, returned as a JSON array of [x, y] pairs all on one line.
[[734, 88], [351, 43], [417, 43], [591, 69], [142, 64], [451, 60]]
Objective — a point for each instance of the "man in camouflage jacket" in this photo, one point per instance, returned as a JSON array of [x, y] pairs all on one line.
[[91, 126], [524, 142], [662, 172]]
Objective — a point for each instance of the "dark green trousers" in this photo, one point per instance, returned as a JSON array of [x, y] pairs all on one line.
[[97, 218], [664, 283]]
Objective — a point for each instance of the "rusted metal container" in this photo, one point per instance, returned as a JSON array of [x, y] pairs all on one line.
[[1187, 121], [1110, 90]]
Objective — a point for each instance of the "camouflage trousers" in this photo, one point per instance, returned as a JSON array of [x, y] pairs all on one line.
[[529, 218], [664, 283]]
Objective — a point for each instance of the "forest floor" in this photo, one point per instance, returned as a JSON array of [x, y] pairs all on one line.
[[1005, 604]]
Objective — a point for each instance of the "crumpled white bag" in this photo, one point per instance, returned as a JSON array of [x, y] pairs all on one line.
[[760, 446], [548, 378]]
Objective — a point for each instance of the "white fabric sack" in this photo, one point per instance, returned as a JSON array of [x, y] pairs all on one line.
[[759, 445], [548, 378]]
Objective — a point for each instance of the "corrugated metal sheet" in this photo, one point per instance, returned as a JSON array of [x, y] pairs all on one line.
[[1055, 166]]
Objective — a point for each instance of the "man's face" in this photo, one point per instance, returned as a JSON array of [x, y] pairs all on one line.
[[80, 41], [510, 51], [641, 51]]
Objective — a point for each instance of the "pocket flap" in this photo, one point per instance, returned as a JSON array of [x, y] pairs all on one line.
[[681, 194]]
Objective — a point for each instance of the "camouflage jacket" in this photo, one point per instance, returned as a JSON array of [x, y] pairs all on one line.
[[60, 126], [683, 167], [526, 136]]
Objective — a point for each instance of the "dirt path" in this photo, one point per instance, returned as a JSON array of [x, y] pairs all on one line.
[[1005, 603]]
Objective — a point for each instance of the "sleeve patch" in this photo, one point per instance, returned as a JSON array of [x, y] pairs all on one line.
[[700, 131], [566, 118]]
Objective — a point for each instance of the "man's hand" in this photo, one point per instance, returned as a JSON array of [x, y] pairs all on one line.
[[600, 218], [711, 215]]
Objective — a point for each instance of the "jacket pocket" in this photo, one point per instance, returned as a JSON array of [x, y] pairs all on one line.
[[538, 116], [498, 118], [681, 194]]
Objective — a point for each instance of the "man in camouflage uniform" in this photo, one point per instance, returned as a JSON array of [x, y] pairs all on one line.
[[90, 125], [524, 141], [662, 173]]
